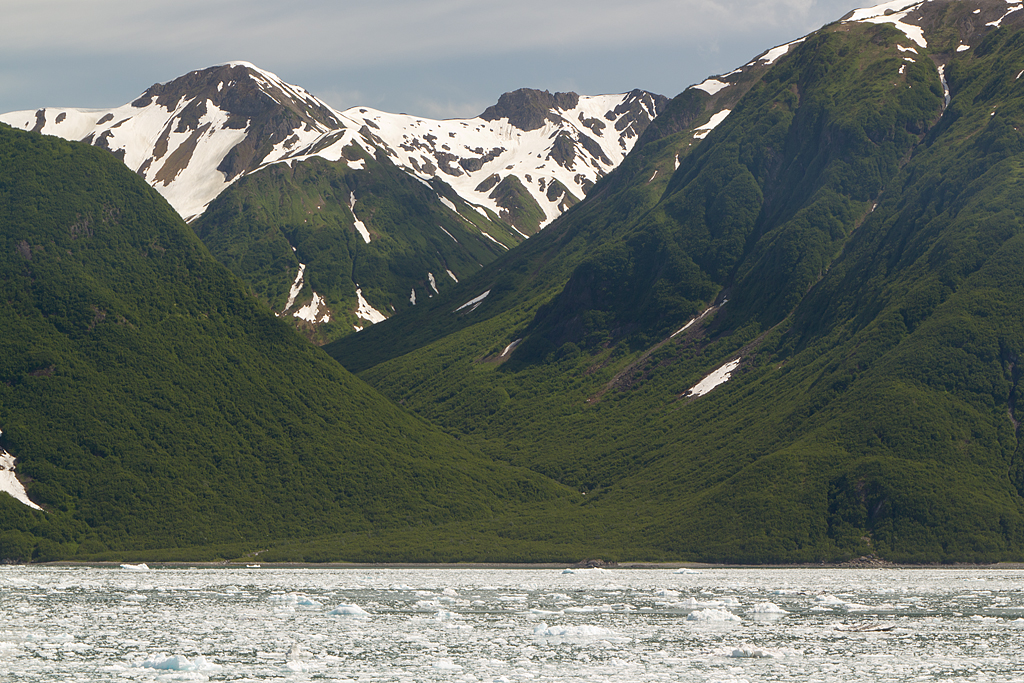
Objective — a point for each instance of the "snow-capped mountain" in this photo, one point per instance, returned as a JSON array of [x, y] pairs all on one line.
[[192, 137]]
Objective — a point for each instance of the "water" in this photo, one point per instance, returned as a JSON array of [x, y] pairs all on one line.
[[59, 624]]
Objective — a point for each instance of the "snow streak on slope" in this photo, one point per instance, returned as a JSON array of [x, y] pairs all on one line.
[[9, 483]]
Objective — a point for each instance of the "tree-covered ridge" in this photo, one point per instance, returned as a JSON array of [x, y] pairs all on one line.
[[859, 243], [151, 402]]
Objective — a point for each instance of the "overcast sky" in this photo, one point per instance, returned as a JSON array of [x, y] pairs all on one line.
[[434, 58]]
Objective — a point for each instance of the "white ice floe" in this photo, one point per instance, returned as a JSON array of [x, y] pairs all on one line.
[[296, 600], [716, 378], [180, 663], [367, 312], [140, 567], [685, 570], [475, 303], [9, 482], [349, 610], [584, 630], [712, 615], [711, 86], [701, 132]]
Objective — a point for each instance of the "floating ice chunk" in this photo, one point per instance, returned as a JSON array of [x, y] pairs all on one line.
[[755, 653], [140, 567], [712, 615], [585, 630], [767, 608], [348, 610], [685, 570], [179, 663], [667, 593], [446, 665], [295, 600], [719, 376]]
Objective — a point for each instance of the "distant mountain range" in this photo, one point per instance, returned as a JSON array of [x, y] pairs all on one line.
[[491, 181]]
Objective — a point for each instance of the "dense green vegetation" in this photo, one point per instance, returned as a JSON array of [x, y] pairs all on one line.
[[152, 403], [263, 226], [864, 246]]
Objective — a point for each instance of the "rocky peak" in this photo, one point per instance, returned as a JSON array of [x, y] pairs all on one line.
[[529, 109]]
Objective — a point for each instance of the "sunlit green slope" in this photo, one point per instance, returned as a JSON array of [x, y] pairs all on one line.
[[854, 246], [151, 402]]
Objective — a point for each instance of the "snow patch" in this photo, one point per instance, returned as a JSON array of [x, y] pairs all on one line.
[[897, 12], [9, 483], [701, 132], [296, 287], [772, 55], [719, 376], [433, 283], [360, 227], [310, 311], [711, 86], [450, 235], [412, 296], [450, 273], [367, 312], [475, 303]]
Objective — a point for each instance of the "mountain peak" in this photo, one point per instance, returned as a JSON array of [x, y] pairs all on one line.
[[529, 109]]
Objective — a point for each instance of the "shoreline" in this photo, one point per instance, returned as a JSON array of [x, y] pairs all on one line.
[[696, 566]]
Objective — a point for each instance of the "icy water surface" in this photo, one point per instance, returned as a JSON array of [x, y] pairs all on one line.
[[511, 625]]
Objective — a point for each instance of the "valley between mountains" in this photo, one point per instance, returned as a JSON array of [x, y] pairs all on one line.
[[775, 319]]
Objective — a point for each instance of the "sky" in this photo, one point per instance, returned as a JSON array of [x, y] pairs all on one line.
[[431, 58]]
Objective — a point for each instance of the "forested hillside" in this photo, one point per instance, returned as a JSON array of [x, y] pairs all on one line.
[[150, 402], [802, 345]]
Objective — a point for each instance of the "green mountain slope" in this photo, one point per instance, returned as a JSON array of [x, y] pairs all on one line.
[[847, 243], [269, 222], [152, 403]]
